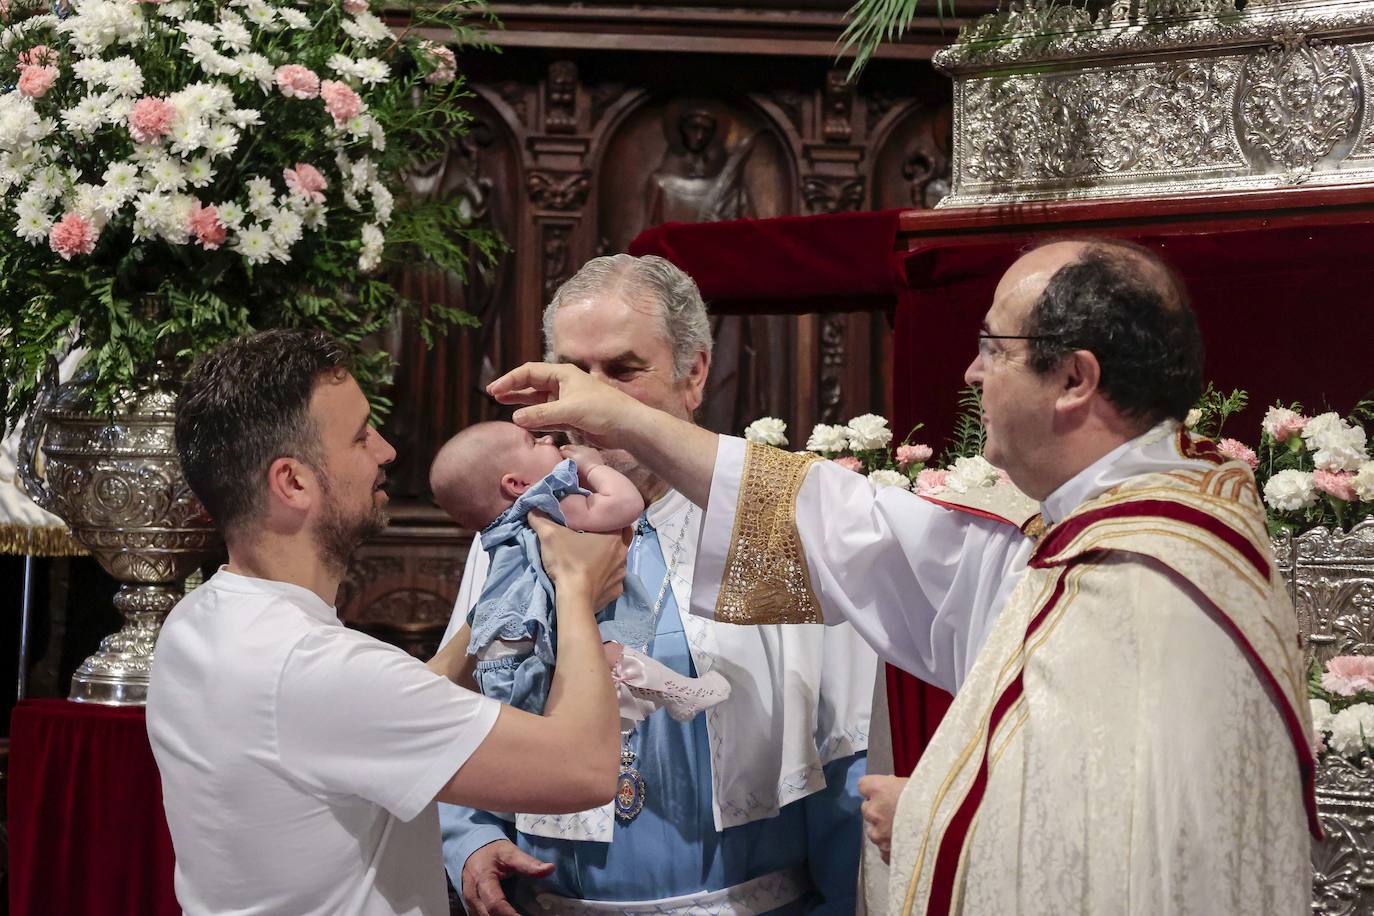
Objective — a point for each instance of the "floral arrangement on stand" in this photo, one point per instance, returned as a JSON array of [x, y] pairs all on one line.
[[175, 173]]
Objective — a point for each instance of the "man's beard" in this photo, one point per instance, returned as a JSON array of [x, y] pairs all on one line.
[[338, 535]]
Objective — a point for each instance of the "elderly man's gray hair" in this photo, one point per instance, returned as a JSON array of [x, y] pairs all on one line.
[[639, 281]]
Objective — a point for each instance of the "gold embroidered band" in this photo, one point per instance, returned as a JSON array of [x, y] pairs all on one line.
[[766, 577]]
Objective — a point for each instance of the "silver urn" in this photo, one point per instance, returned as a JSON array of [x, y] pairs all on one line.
[[117, 483], [1330, 576]]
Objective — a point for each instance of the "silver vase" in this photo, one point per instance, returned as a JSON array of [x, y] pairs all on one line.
[[1330, 576], [115, 480]]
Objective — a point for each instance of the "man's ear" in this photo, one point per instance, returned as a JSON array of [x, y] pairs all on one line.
[[1080, 374], [512, 486], [291, 484], [696, 380]]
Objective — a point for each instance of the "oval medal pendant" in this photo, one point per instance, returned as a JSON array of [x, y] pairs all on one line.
[[629, 789]]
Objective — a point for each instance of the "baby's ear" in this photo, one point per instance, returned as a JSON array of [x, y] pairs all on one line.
[[512, 486]]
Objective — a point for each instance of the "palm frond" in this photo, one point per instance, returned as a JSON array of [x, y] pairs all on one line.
[[969, 436], [872, 22]]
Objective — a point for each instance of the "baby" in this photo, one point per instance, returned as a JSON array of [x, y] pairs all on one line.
[[488, 478]]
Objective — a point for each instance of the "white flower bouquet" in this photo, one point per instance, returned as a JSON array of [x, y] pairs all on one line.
[[237, 162], [1342, 700], [863, 445]]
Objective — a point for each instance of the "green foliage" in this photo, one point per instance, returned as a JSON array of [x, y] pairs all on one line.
[[138, 298], [872, 22], [969, 436], [1215, 408]]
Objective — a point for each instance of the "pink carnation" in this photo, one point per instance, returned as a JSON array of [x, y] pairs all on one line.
[[305, 181], [72, 234], [342, 103], [1349, 674], [205, 225], [1238, 451], [355, 6], [1339, 484], [150, 119], [34, 82], [849, 463], [445, 64], [38, 56], [1287, 429], [931, 481], [907, 455], [297, 82]]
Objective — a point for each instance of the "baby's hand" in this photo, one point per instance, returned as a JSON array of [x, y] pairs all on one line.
[[585, 456]]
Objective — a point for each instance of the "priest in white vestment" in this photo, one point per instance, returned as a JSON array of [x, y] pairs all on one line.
[[1130, 732]]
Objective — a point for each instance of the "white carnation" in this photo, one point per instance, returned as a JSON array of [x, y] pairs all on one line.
[[826, 438], [1321, 426], [1363, 482], [1341, 450], [868, 431], [1275, 417], [767, 431], [1192, 418], [1288, 491], [971, 473], [889, 479], [1351, 728]]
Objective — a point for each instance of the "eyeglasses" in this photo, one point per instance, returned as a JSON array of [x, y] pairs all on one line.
[[985, 350]]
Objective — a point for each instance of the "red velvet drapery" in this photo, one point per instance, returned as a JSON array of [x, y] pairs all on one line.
[[87, 833]]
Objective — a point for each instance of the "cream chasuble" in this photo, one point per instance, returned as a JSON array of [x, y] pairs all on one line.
[[1130, 732]]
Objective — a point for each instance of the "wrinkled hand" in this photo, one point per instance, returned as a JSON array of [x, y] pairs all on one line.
[[880, 806], [592, 561], [484, 871], [559, 396], [585, 456]]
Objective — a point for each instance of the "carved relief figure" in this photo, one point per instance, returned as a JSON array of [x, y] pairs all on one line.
[[700, 178]]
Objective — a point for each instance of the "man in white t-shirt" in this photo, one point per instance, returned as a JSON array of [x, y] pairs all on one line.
[[301, 760]]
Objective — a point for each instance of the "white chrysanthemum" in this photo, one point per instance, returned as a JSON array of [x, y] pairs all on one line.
[[165, 175], [254, 244], [98, 24], [262, 16], [371, 254], [827, 439], [970, 473], [123, 76], [767, 431], [33, 227], [260, 195], [360, 174], [90, 70], [188, 135], [286, 227], [1321, 715], [889, 479], [294, 18], [1363, 482], [382, 202], [121, 176], [231, 214], [110, 201], [351, 200], [371, 71], [84, 117], [868, 431], [1352, 729], [233, 35], [176, 9], [375, 134], [256, 67], [243, 117], [201, 31], [199, 173], [222, 140], [82, 198], [117, 107], [48, 182], [152, 213], [20, 124], [222, 65], [200, 51], [1192, 418], [1288, 491], [366, 29], [312, 214]]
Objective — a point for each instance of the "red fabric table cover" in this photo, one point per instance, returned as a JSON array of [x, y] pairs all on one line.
[[87, 833]]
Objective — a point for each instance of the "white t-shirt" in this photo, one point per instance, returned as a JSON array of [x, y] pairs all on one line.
[[300, 759]]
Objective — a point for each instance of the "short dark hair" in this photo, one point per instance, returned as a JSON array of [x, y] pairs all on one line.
[[245, 404], [1120, 301]]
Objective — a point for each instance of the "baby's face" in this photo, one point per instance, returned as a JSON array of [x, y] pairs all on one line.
[[533, 458]]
